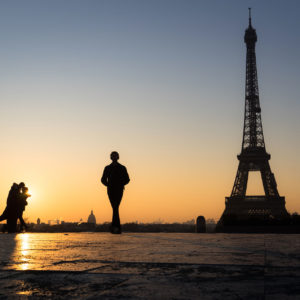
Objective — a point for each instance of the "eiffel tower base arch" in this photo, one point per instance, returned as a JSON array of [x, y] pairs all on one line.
[[253, 210]]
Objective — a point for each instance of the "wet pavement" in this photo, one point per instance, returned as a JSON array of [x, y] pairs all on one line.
[[149, 266]]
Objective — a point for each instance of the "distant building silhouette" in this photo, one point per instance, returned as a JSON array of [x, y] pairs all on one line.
[[200, 225], [38, 221], [190, 222], [92, 218], [55, 221]]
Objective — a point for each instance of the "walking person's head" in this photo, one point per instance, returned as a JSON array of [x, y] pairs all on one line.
[[114, 156]]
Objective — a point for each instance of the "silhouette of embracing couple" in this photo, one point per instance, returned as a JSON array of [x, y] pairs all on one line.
[[15, 206]]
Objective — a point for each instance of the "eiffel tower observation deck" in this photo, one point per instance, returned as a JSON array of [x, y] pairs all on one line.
[[239, 208]]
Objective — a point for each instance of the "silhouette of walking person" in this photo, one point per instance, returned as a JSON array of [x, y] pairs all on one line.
[[115, 177]]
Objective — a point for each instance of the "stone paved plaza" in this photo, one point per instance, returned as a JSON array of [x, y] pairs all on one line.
[[149, 266]]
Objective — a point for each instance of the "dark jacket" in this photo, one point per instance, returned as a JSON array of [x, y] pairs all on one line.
[[115, 176], [22, 202], [11, 204]]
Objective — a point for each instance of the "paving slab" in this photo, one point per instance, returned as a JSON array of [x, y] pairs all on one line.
[[149, 266]]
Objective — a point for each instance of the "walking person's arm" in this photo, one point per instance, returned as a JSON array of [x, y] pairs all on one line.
[[126, 178], [104, 177]]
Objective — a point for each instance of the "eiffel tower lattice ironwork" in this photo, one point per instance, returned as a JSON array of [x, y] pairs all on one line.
[[253, 156]]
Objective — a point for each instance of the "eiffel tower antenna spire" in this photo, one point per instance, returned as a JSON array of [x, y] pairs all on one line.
[[249, 8]]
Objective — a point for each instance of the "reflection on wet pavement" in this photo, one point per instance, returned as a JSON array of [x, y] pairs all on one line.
[[161, 265], [24, 251]]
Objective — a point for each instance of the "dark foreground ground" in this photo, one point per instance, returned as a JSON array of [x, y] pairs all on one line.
[[149, 266]]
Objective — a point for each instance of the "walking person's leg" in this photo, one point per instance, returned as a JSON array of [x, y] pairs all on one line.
[[115, 197], [116, 217]]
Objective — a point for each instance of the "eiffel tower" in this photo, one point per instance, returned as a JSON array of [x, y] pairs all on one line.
[[239, 207]]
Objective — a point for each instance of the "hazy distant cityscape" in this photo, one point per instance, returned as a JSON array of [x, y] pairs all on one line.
[[89, 224], [58, 225]]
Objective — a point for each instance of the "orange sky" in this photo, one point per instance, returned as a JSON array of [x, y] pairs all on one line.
[[162, 186]]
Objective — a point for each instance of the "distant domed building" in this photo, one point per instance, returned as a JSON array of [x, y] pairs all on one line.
[[92, 218]]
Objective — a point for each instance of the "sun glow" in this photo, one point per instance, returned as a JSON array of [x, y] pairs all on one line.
[[30, 193]]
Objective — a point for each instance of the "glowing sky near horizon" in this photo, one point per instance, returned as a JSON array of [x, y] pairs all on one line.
[[162, 82]]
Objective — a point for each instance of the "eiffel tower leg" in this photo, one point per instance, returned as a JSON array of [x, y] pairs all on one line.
[[268, 179], [232, 208], [241, 180]]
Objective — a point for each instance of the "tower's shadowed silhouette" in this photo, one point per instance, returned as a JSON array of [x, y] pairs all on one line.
[[242, 209]]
